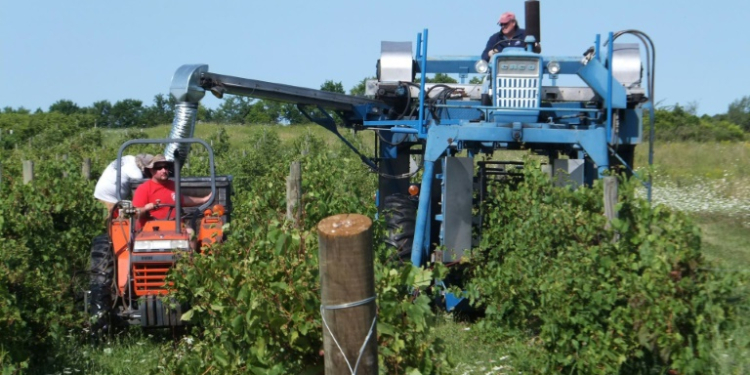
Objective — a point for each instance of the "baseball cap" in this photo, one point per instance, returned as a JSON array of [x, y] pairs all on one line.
[[507, 17]]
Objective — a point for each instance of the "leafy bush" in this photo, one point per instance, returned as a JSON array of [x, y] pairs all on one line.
[[680, 125], [591, 304], [46, 228], [256, 299]]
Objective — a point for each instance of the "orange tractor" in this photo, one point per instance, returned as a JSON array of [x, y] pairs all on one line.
[[129, 266]]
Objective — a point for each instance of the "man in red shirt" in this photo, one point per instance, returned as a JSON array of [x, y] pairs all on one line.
[[160, 190]]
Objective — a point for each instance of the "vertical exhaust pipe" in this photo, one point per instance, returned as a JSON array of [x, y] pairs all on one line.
[[187, 91], [532, 19]]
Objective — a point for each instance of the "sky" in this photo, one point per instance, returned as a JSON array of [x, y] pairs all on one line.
[[86, 51]]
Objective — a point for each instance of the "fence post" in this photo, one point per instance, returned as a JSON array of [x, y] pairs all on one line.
[[610, 201], [86, 169], [347, 281], [293, 193], [28, 171]]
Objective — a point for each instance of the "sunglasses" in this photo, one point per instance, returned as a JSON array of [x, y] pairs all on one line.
[[505, 24], [160, 167]]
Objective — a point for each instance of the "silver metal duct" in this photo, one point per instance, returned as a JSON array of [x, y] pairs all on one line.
[[187, 91], [183, 126]]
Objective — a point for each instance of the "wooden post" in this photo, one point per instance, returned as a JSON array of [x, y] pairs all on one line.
[[347, 281], [86, 169], [28, 171], [293, 194], [610, 201]]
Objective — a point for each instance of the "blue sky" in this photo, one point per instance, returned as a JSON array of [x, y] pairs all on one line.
[[87, 51]]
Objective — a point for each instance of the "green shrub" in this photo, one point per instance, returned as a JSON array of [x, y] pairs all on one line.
[[593, 305], [47, 228]]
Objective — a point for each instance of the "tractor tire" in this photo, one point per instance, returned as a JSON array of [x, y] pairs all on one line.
[[101, 280], [400, 213]]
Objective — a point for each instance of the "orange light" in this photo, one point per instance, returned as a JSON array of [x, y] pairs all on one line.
[[413, 190], [219, 209]]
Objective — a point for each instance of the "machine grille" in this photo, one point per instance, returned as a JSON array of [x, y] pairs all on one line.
[[149, 278], [515, 92]]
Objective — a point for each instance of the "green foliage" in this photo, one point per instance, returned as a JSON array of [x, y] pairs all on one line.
[[66, 107], [739, 113], [594, 305], [331, 86], [46, 227], [438, 78], [679, 124], [127, 113], [256, 299], [359, 88]]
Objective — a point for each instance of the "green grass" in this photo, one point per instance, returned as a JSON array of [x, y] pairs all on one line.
[[471, 351], [132, 352], [725, 240]]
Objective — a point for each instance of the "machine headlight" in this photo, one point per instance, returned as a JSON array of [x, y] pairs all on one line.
[[160, 245], [553, 67], [481, 67]]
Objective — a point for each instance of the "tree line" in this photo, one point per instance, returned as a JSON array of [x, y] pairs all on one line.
[[677, 122]]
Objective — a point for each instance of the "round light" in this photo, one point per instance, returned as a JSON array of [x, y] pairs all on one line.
[[553, 67], [481, 67], [413, 190]]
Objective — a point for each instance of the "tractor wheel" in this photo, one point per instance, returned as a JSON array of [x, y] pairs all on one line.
[[100, 284], [400, 213]]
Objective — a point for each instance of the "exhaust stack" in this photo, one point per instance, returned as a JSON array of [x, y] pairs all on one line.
[[531, 14], [187, 91]]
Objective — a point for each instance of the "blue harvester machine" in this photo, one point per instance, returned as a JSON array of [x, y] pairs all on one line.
[[584, 130]]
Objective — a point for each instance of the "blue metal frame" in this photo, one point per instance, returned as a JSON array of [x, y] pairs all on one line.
[[510, 126]]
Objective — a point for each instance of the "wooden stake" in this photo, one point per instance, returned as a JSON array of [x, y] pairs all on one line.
[[347, 281], [294, 193], [610, 201], [86, 168], [28, 171]]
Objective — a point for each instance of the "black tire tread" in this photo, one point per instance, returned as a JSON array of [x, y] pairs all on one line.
[[100, 282]]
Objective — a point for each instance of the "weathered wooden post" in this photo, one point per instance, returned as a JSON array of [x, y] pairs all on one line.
[[28, 171], [86, 169], [294, 193], [610, 201], [65, 158], [348, 309]]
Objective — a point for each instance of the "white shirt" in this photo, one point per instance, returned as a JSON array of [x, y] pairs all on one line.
[[106, 187]]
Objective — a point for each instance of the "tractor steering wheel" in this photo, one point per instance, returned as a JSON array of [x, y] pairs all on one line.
[[505, 43], [185, 214]]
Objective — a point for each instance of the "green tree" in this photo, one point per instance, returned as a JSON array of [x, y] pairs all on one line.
[[127, 113], [359, 89], [331, 86], [162, 112], [233, 110], [101, 111], [261, 112], [205, 114], [438, 78], [291, 114], [739, 113], [476, 80], [20, 110], [66, 107]]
